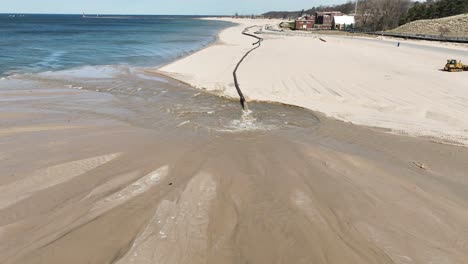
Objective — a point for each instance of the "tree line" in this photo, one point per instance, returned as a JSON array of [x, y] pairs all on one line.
[[345, 8], [376, 15], [434, 9]]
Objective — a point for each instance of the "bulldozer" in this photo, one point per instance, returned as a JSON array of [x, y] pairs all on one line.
[[454, 66]]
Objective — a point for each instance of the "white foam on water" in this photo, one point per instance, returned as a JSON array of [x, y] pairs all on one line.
[[151, 77], [88, 72], [247, 122]]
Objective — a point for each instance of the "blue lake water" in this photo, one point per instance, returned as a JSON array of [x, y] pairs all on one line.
[[38, 43]]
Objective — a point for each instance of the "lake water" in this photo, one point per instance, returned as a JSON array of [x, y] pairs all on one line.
[[38, 43]]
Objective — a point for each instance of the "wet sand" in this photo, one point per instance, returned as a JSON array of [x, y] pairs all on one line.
[[148, 170]]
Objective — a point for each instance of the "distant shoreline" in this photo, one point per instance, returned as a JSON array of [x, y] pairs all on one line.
[[104, 14]]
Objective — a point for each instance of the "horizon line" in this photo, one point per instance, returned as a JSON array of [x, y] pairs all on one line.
[[80, 14]]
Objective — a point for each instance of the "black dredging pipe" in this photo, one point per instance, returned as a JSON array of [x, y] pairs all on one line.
[[236, 83]]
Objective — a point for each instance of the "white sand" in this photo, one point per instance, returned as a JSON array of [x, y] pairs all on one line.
[[368, 82]]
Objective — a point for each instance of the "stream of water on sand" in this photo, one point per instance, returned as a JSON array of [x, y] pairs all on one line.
[[154, 101], [115, 164], [126, 166]]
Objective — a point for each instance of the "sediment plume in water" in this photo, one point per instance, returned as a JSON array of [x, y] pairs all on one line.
[[125, 184]]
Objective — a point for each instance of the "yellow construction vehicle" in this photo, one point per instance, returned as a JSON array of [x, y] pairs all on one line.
[[454, 66]]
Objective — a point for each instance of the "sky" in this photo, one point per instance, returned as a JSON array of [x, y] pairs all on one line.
[[158, 7]]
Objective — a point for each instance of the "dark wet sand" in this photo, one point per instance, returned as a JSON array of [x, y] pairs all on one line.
[[89, 177]]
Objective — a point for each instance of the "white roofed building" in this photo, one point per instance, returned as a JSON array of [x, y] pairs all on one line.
[[343, 22]]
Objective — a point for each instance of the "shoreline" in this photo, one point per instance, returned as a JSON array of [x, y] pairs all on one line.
[[93, 177], [127, 166], [216, 41], [297, 89], [199, 44]]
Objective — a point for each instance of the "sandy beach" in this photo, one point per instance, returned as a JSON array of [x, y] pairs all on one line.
[[118, 164], [365, 81]]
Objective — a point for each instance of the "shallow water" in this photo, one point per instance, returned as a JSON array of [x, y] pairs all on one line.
[[153, 101]]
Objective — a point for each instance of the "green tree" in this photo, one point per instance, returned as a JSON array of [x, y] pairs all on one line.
[[435, 9]]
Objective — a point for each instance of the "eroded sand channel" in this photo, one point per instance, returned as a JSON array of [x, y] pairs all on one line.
[[150, 171]]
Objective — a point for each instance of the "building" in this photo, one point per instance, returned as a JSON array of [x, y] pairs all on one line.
[[305, 23], [343, 22], [324, 20]]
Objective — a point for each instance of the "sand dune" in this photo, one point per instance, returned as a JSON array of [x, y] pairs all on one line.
[[455, 25]]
